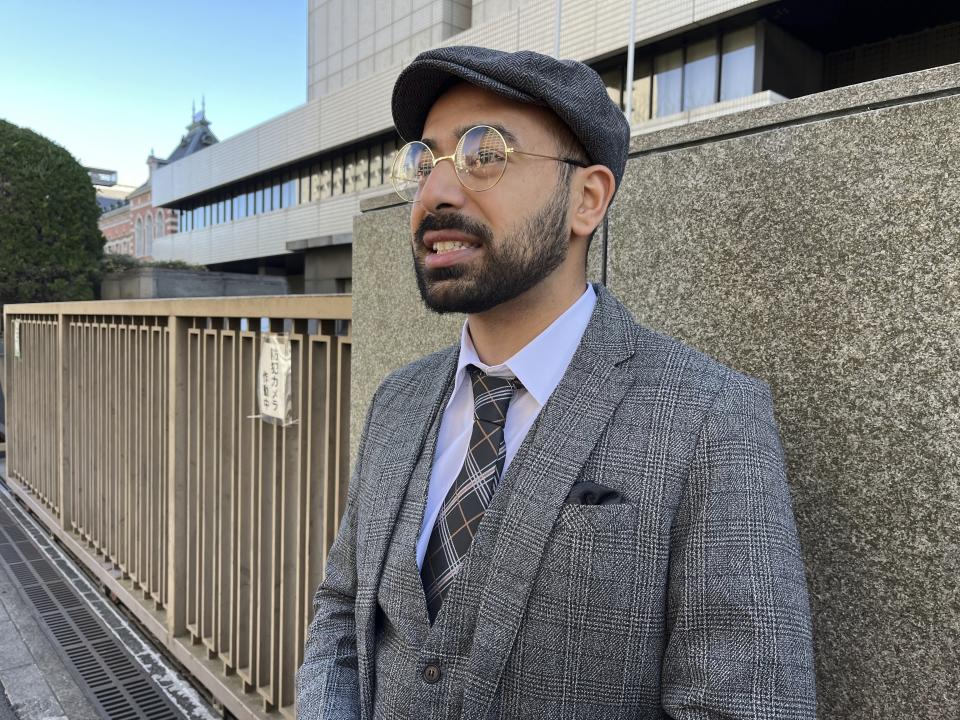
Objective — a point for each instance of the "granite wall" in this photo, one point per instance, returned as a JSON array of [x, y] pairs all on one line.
[[148, 282], [814, 244]]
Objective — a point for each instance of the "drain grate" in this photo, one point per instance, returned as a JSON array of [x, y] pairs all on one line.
[[115, 683]]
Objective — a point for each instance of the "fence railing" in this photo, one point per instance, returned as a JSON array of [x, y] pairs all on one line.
[[134, 434]]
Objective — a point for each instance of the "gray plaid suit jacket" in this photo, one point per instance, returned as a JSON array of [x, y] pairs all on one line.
[[688, 600]]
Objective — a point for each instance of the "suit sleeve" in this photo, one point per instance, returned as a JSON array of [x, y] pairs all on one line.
[[328, 681], [739, 632]]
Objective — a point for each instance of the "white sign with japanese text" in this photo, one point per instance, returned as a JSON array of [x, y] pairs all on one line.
[[274, 378]]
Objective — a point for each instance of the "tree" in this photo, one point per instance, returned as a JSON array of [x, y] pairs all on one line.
[[50, 245]]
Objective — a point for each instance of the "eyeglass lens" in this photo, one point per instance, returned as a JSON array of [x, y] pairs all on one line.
[[480, 160]]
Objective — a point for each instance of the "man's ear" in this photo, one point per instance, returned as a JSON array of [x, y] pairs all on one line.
[[592, 192]]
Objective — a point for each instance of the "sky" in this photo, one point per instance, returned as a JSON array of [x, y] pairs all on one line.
[[111, 80]]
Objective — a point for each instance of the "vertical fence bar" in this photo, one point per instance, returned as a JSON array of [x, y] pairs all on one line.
[[246, 507], [318, 478], [225, 516], [177, 464], [208, 486], [291, 528]]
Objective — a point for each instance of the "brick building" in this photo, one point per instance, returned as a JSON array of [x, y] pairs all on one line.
[[117, 230]]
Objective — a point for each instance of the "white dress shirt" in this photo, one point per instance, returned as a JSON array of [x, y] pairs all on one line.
[[539, 366]]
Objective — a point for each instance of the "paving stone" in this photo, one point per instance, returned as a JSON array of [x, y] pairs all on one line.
[[30, 696], [13, 653], [6, 712]]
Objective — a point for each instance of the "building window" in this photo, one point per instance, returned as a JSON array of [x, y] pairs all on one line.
[[139, 236], [642, 89], [363, 174], [719, 68], [337, 175], [389, 153], [304, 182], [737, 65], [613, 80], [700, 74], [160, 229], [668, 83], [288, 191], [376, 166], [350, 173], [326, 179], [148, 236], [275, 195], [315, 182]]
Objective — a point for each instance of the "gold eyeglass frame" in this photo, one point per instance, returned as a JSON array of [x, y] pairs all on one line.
[[508, 151]]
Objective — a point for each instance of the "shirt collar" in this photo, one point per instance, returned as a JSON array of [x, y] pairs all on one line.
[[541, 363]]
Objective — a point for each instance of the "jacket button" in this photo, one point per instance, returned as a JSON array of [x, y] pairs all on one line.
[[431, 673]]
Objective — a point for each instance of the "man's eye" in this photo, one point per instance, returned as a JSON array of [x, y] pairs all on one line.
[[485, 157]]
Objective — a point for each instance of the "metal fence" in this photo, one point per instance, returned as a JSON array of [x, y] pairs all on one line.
[[134, 434]]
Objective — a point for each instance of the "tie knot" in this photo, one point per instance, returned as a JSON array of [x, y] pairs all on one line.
[[491, 395]]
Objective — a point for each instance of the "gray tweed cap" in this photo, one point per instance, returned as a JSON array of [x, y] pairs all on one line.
[[571, 89]]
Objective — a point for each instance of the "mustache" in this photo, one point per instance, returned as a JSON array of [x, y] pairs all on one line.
[[453, 221]]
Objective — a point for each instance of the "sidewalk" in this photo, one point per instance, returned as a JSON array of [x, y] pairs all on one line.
[[35, 680], [34, 675]]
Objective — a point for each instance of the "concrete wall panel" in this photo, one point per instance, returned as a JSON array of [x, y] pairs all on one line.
[[578, 37], [238, 158]]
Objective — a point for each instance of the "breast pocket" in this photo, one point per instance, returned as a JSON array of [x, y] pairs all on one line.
[[615, 518], [589, 615]]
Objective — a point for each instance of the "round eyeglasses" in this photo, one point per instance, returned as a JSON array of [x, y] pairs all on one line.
[[480, 161]]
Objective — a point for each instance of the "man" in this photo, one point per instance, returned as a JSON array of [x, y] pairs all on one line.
[[565, 515]]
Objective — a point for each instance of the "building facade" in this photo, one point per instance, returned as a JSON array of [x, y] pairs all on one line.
[[117, 230], [134, 223], [281, 197]]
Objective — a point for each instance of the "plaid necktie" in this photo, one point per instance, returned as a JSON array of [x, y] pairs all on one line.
[[471, 492]]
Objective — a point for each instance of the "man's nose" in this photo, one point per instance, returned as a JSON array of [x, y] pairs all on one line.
[[442, 188]]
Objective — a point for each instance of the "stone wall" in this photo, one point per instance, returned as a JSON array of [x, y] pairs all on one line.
[[816, 245], [144, 283]]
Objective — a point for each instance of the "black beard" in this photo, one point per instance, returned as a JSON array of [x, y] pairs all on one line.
[[508, 267]]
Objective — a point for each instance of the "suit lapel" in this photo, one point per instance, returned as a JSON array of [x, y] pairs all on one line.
[[532, 492]]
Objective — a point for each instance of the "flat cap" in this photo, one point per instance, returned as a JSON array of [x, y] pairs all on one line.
[[574, 92]]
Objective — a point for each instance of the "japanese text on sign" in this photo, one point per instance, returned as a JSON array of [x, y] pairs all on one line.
[[274, 378]]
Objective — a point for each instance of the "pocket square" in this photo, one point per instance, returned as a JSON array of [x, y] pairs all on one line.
[[591, 493]]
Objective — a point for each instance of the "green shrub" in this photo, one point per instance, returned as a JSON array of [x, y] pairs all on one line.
[[121, 263], [50, 246]]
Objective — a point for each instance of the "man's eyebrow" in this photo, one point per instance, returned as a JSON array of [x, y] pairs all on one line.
[[459, 132]]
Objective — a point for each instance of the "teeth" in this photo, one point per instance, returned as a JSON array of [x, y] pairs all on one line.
[[448, 246]]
